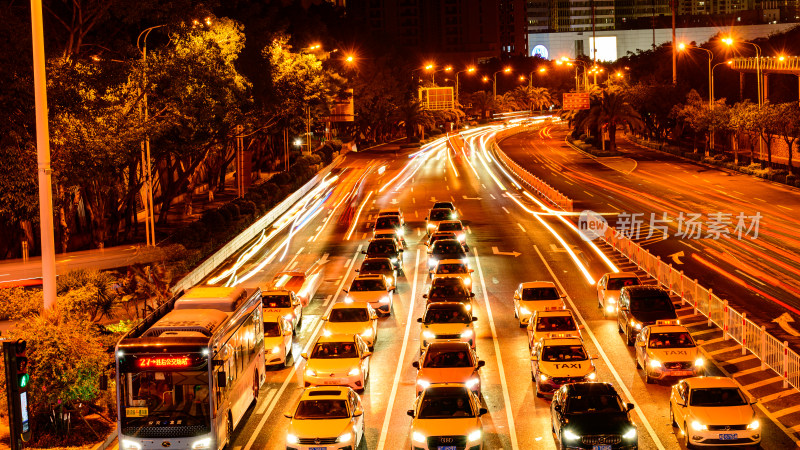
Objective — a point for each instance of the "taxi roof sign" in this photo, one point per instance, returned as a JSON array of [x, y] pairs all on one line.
[[668, 322]]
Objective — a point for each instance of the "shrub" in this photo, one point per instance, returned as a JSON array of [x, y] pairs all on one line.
[[281, 179], [213, 220], [247, 207], [435, 132], [233, 210], [413, 140], [87, 293], [790, 179], [17, 302]]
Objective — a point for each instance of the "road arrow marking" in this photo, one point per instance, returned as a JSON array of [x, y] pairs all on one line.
[[471, 198], [783, 320], [433, 199], [394, 201], [498, 252], [675, 257]]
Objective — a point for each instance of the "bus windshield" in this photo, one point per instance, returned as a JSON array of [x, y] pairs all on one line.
[[156, 399]]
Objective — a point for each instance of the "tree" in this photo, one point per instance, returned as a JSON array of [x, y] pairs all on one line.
[[611, 110], [788, 126], [414, 117], [743, 122], [533, 97], [655, 102], [482, 101]]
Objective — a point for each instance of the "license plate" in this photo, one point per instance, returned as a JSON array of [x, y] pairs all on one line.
[[330, 382], [682, 373], [728, 437], [601, 447], [318, 448], [446, 447]]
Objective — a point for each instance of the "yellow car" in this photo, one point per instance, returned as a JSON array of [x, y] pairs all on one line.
[[373, 289], [449, 362], [277, 339], [446, 321], [326, 417], [535, 296], [446, 416], [667, 350], [558, 361], [552, 323], [337, 360], [353, 318], [454, 268], [713, 411], [283, 302]]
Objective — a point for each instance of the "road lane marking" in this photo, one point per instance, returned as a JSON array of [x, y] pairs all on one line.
[[347, 263], [493, 197], [587, 193], [784, 207], [291, 373], [588, 331], [504, 209], [388, 417], [265, 402], [506, 398], [327, 300], [756, 198], [521, 227]]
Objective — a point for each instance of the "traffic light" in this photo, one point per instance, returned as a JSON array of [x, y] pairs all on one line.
[[22, 365], [17, 381]]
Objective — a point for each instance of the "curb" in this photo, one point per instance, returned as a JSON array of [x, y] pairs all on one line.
[[107, 443]]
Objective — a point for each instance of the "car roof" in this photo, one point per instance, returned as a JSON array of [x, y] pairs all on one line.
[[553, 313], [451, 261], [445, 305], [325, 393], [448, 240], [622, 275], [537, 284], [389, 211], [710, 382], [591, 387], [645, 289], [349, 305], [444, 203], [276, 292], [667, 329], [337, 338], [447, 346], [546, 341]]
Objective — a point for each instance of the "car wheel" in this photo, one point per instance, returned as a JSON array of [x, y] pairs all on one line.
[[255, 388], [686, 441], [629, 336], [229, 428], [599, 301], [299, 323], [672, 417], [638, 366], [362, 444], [647, 378], [516, 314], [619, 326], [536, 386]]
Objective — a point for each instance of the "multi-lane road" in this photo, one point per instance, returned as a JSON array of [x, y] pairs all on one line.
[[512, 239]]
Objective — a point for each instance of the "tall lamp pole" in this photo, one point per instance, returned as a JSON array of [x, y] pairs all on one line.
[[494, 84], [683, 47], [727, 63], [470, 69], [43, 159]]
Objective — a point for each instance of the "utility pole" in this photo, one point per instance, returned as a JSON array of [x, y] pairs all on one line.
[[674, 48], [43, 159]]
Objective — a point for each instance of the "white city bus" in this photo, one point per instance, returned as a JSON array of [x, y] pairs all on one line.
[[188, 373]]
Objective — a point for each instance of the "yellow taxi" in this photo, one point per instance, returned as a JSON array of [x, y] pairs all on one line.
[[447, 416], [283, 302], [713, 411], [553, 322], [327, 417], [453, 268], [533, 296], [353, 318], [667, 350], [277, 339], [446, 321], [557, 361], [373, 289], [449, 362], [337, 360]]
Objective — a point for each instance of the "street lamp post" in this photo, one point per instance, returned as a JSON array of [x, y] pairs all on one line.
[[470, 69], [433, 75], [683, 47], [759, 81], [727, 63], [583, 64], [494, 84]]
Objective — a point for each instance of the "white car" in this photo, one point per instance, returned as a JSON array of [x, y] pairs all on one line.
[[372, 289], [533, 296], [453, 268], [285, 303], [389, 234], [667, 350], [437, 215], [392, 212], [454, 226], [277, 339], [552, 323], [337, 360], [713, 411], [608, 290]]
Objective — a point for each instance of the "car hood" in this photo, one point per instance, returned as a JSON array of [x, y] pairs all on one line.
[[347, 327], [566, 369], [270, 342], [440, 256], [541, 305], [723, 415], [446, 427], [323, 428], [275, 312], [673, 354], [333, 364], [446, 375], [652, 316], [367, 296], [599, 423], [446, 328]]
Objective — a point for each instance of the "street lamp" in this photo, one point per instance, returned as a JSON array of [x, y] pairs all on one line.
[[683, 47], [727, 63], [729, 41], [470, 69], [576, 62], [494, 85], [426, 67], [433, 75]]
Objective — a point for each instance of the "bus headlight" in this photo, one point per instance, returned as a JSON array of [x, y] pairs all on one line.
[[130, 445], [201, 444]]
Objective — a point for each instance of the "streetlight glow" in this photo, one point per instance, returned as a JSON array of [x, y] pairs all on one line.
[[471, 69], [507, 69]]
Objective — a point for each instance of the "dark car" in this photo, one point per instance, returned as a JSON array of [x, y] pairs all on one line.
[[380, 266], [445, 249], [640, 306], [450, 289], [389, 223], [444, 205], [592, 416], [438, 236], [385, 248], [437, 215]]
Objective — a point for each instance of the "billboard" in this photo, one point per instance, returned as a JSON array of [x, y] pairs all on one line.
[[343, 109], [576, 100], [437, 98]]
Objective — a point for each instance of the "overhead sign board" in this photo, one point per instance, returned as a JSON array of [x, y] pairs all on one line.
[[576, 100]]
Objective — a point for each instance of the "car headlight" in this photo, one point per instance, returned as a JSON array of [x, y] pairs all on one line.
[[393, 260], [655, 364], [630, 434], [276, 349], [201, 444], [292, 439], [697, 426], [466, 334], [348, 299], [591, 376], [428, 334], [474, 436], [423, 384], [754, 425], [465, 261], [354, 372], [288, 317], [468, 306], [367, 333], [472, 382], [431, 262], [570, 436], [468, 281], [430, 225], [418, 437], [699, 362], [611, 300], [636, 325], [345, 437], [461, 237], [543, 377], [385, 299], [400, 233], [311, 373], [130, 445], [524, 310]]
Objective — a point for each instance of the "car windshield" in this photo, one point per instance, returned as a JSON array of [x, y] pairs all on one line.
[[382, 246], [321, 409], [378, 266], [564, 353], [615, 284], [679, 339], [453, 402], [349, 315], [450, 226], [447, 246], [333, 350], [449, 315], [652, 303], [277, 301], [441, 214], [444, 205], [367, 285], [589, 404], [728, 396], [387, 222], [446, 291], [451, 268], [541, 293], [272, 329], [557, 323], [447, 358]]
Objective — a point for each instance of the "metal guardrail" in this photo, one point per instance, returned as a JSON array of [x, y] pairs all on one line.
[[789, 64], [213, 261]]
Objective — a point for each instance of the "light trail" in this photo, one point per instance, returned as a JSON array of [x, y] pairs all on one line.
[[355, 219]]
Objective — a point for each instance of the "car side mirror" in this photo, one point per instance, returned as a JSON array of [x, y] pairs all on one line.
[[640, 343], [752, 400], [304, 355], [363, 252], [581, 327], [410, 412], [358, 270], [288, 414], [365, 354], [474, 319], [358, 412], [424, 295], [482, 411], [345, 291], [288, 332], [595, 356], [400, 250], [415, 364], [481, 363], [222, 379], [419, 319], [471, 270], [630, 407], [471, 295], [516, 296]]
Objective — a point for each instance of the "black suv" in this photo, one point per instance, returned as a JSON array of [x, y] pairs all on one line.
[[592, 415], [640, 306], [386, 248], [450, 289]]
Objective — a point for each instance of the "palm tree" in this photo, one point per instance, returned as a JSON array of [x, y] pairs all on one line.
[[610, 110], [482, 101], [533, 97], [414, 117]]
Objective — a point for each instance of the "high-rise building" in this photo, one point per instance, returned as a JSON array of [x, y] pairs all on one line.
[[513, 28], [570, 15]]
